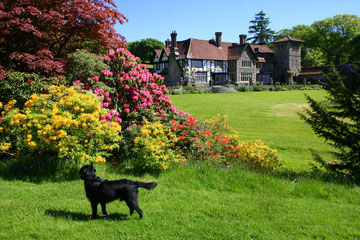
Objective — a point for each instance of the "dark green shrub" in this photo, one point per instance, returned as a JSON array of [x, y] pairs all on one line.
[[83, 64], [20, 86]]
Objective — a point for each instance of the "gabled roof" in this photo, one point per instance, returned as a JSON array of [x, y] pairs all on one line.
[[261, 48], [287, 39], [158, 53], [207, 49]]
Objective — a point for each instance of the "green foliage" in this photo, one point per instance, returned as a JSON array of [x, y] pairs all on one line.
[[20, 86], [82, 64], [145, 48], [154, 148], [339, 122], [262, 34], [64, 123], [328, 40]]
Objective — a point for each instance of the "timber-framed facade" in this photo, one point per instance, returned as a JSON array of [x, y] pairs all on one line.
[[214, 62]]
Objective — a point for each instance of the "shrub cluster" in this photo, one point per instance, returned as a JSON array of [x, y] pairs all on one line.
[[65, 122], [122, 116]]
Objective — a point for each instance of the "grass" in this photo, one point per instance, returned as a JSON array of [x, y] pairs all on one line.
[[190, 202], [203, 202], [270, 116]]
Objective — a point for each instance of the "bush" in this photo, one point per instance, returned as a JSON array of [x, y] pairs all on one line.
[[83, 65], [20, 86], [214, 141], [242, 89], [135, 93], [64, 123], [154, 148]]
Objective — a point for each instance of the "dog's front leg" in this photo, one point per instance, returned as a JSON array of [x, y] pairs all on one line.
[[94, 210], [103, 209]]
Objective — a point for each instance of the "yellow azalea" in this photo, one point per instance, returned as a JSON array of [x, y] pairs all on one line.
[[5, 147]]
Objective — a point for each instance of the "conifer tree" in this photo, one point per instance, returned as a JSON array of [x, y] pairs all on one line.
[[262, 34], [338, 122]]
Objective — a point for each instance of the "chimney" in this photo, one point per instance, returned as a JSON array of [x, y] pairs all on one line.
[[242, 38], [167, 43], [173, 39], [218, 39]]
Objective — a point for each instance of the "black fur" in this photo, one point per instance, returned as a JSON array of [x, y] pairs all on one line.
[[103, 191]]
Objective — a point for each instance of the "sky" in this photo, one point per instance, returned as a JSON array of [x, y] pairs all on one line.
[[200, 19]]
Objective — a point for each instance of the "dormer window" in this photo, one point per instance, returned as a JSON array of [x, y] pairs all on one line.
[[246, 63]]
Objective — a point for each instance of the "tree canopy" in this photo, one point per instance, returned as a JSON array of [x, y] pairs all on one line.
[[145, 48], [37, 36], [262, 34], [328, 40]]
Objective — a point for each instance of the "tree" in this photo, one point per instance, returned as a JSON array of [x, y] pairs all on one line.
[[329, 40], [259, 28], [145, 48], [338, 122], [38, 35]]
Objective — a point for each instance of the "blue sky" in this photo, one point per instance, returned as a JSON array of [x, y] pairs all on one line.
[[202, 18]]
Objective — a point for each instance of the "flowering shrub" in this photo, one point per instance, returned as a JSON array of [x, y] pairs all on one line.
[[135, 93], [206, 141], [20, 86], [65, 122], [154, 147]]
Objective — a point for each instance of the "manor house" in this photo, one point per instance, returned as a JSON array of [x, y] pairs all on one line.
[[213, 62]]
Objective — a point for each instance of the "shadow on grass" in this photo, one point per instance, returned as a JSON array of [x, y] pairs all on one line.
[[37, 170], [78, 216]]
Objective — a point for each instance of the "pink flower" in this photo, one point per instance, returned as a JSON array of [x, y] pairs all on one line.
[[106, 104], [106, 94], [111, 52], [126, 86], [107, 72], [127, 110], [106, 58], [96, 78]]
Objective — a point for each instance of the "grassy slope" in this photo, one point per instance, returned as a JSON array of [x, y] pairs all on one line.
[[270, 116], [189, 203], [193, 202]]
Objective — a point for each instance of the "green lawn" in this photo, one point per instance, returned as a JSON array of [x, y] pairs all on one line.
[[203, 202], [270, 116], [189, 203]]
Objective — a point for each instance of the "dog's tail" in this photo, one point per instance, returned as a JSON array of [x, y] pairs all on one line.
[[149, 185]]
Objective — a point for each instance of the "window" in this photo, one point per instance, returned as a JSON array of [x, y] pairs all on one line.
[[200, 77], [166, 65], [246, 77], [246, 63], [219, 64], [197, 63], [164, 58]]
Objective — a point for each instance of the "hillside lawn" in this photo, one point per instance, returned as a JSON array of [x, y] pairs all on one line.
[[203, 202], [269, 116]]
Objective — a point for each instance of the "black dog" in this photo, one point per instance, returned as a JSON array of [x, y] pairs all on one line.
[[103, 191]]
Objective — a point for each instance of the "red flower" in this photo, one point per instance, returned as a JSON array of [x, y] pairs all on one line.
[[195, 139], [29, 80], [210, 143], [46, 91], [181, 137]]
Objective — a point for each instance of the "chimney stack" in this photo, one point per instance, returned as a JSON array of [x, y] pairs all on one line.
[[167, 43], [218, 39], [173, 39], [242, 38]]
